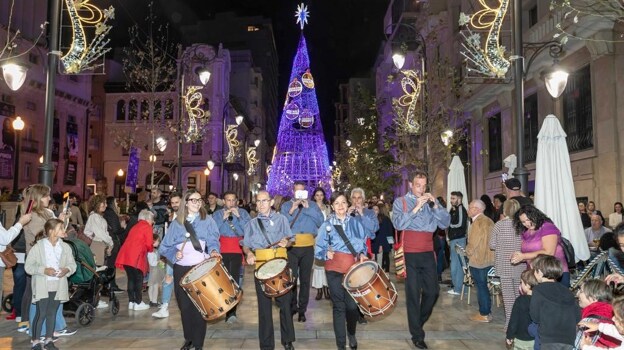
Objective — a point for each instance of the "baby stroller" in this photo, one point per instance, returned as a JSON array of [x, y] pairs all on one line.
[[86, 284]]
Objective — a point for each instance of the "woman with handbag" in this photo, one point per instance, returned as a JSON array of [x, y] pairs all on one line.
[[341, 242], [203, 242], [8, 259]]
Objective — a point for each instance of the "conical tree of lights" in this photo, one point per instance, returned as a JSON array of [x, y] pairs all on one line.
[[301, 151]]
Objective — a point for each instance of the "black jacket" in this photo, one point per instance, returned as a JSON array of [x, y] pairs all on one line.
[[114, 226], [556, 311], [459, 223], [520, 320]]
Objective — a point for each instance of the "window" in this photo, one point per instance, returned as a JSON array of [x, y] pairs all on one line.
[[145, 110], [121, 110], [196, 148], [495, 146], [531, 128], [31, 106], [133, 110], [169, 109], [532, 16], [158, 110], [125, 152], [27, 171], [577, 111]]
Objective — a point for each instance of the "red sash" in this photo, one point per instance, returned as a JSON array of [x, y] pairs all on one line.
[[340, 263], [417, 241], [369, 247], [230, 244]]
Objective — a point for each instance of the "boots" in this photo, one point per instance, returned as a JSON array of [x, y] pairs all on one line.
[[319, 293], [326, 290]]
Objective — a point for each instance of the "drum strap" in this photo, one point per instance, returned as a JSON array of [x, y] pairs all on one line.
[[193, 236], [345, 239], [263, 230], [292, 223]]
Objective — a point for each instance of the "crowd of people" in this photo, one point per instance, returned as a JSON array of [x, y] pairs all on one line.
[[321, 239]]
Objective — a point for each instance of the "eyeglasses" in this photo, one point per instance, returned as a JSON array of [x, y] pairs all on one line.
[[195, 200], [263, 201]]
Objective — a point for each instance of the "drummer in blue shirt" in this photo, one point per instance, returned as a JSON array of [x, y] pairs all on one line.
[[231, 221], [305, 217], [266, 237], [338, 257]]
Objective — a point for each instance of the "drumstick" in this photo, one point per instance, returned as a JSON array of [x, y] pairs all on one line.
[[187, 235]]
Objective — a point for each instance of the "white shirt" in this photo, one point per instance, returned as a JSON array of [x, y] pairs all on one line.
[[52, 256]]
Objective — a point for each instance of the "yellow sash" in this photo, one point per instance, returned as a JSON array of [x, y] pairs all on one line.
[[264, 255], [304, 240]]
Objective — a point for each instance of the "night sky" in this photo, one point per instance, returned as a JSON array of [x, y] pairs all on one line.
[[343, 36]]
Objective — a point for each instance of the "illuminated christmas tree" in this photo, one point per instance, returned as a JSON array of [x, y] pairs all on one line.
[[301, 151]]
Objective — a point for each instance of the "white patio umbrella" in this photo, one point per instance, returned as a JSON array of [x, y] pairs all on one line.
[[456, 182], [554, 187]]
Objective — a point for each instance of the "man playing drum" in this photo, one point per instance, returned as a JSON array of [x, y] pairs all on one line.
[[266, 238], [339, 255], [231, 221], [192, 236], [419, 214], [304, 217]]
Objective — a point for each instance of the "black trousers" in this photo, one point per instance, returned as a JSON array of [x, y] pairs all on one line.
[[233, 262], [135, 284], [343, 307], [193, 324], [421, 290], [265, 319], [45, 310], [301, 260]]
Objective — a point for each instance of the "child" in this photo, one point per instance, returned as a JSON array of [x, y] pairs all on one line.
[[595, 298], [553, 307], [156, 272], [612, 330], [50, 262], [517, 335]]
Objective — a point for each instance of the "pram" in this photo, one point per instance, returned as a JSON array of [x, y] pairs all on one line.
[[86, 284]]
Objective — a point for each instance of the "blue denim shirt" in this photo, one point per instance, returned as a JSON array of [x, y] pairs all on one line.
[[276, 226], [308, 221], [369, 221], [328, 237], [426, 219], [206, 230], [238, 223]]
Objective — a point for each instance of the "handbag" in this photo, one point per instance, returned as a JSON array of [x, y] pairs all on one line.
[[399, 258], [81, 236], [8, 257]]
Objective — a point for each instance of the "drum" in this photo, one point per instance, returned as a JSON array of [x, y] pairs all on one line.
[[275, 277], [371, 288], [211, 288]]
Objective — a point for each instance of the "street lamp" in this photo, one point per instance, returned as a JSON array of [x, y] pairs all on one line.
[[207, 172], [446, 136], [120, 172], [18, 126], [555, 84], [399, 60], [14, 74], [210, 164]]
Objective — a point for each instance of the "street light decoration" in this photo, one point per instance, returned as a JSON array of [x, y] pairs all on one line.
[[487, 59], [83, 52], [231, 137], [409, 120], [252, 160], [197, 117]]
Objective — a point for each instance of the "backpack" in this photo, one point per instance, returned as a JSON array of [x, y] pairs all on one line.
[[568, 250]]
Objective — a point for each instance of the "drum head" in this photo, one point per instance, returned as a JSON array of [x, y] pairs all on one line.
[[361, 274], [200, 270], [271, 268]]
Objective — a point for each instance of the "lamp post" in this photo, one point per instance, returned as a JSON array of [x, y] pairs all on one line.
[[556, 82], [18, 126]]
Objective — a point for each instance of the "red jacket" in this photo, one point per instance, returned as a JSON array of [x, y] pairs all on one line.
[[134, 250]]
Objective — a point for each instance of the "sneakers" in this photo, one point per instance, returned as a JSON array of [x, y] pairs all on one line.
[[232, 319], [102, 304], [50, 346], [38, 346], [23, 328], [163, 312], [65, 332], [481, 318], [452, 292], [131, 305], [141, 306], [54, 339], [154, 304]]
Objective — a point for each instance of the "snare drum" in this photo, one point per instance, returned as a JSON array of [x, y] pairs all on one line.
[[211, 288], [371, 288], [275, 277]]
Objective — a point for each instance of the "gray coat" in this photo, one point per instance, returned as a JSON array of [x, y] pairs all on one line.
[[35, 265]]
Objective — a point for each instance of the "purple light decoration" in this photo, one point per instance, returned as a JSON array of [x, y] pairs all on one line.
[[301, 151]]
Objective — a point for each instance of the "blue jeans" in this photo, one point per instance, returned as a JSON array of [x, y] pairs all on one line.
[[60, 320], [479, 276], [167, 288], [19, 286], [440, 255], [457, 273]]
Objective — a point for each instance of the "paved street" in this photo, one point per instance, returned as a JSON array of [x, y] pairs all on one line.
[[448, 328]]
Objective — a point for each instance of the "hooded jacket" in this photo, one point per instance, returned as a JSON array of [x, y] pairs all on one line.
[[556, 311]]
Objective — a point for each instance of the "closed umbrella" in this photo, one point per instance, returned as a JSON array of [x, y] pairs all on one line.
[[554, 187], [456, 182]]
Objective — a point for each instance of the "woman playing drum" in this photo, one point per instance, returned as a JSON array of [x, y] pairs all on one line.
[[339, 256], [186, 251]]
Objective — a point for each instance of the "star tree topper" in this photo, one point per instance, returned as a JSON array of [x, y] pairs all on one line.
[[302, 15]]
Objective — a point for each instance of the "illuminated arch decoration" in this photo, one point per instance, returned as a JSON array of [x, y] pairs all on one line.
[[83, 53], [490, 59], [301, 150], [252, 160], [197, 117], [231, 137]]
